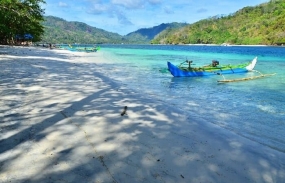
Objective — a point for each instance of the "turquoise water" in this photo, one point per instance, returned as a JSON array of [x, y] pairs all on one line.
[[254, 109]]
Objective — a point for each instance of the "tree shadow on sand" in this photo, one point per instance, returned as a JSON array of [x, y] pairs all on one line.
[[69, 128]]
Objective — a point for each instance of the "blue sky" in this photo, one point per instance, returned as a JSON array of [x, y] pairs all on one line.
[[125, 16]]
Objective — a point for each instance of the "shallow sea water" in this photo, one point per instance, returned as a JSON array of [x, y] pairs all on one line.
[[254, 109]]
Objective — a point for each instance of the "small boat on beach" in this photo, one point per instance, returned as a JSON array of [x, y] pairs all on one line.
[[87, 49], [185, 69]]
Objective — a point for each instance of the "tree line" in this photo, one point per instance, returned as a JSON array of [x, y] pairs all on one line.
[[21, 20]]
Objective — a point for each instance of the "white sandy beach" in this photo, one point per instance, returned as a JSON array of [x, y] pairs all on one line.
[[60, 122]]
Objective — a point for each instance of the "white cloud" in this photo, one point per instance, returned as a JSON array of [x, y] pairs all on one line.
[[154, 1], [129, 4], [98, 9], [62, 4], [168, 10], [123, 19], [202, 10]]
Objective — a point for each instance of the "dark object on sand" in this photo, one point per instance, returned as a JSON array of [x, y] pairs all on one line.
[[124, 111]]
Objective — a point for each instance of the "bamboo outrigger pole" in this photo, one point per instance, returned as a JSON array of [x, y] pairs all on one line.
[[244, 79]]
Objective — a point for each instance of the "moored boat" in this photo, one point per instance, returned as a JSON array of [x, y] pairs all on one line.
[[81, 48], [186, 70]]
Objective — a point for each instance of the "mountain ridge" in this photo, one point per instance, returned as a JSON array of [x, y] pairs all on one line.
[[58, 30], [253, 25]]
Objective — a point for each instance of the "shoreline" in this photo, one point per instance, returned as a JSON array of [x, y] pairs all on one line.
[[227, 45], [62, 119]]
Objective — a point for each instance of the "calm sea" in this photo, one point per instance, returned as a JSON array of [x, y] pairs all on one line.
[[254, 109]]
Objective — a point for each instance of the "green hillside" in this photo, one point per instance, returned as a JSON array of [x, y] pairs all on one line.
[[145, 35], [58, 30], [263, 24]]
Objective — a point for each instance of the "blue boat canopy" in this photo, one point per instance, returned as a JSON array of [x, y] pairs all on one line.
[[26, 36]]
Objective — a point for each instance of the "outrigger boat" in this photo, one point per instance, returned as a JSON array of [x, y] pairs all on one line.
[[245, 79], [87, 49], [185, 69]]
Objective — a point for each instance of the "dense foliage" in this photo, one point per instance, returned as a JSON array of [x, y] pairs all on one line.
[[20, 17], [262, 24], [61, 31]]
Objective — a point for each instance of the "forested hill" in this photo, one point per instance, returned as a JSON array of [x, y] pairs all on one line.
[[147, 34], [262, 24], [58, 30]]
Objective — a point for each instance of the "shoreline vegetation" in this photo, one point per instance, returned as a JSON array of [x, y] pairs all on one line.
[[21, 21], [261, 24], [62, 122]]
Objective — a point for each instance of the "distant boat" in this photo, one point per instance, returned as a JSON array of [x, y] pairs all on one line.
[[185, 69], [225, 44], [81, 48], [85, 49]]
